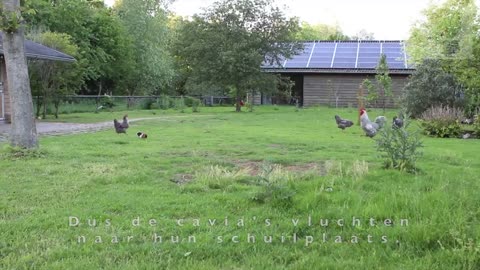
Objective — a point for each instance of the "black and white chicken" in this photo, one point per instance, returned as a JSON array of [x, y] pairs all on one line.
[[343, 123], [371, 128], [121, 127], [397, 122]]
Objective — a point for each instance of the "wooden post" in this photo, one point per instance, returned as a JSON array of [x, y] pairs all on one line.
[[360, 101]]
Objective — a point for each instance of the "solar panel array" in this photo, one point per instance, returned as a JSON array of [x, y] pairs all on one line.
[[347, 55]]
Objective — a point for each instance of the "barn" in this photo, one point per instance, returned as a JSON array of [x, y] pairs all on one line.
[[32, 51], [331, 72]]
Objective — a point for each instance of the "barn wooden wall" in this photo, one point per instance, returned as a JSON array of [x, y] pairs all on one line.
[[329, 89]]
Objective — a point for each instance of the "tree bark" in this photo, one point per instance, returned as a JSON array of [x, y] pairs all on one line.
[[238, 106], [23, 131]]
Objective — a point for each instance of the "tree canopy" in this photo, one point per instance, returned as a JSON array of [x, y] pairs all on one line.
[[227, 44], [320, 32], [450, 33], [145, 22]]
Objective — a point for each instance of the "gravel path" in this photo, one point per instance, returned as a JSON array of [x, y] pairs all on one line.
[[53, 128]]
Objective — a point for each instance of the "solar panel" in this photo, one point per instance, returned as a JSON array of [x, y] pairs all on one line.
[[322, 55], [347, 55], [301, 60], [368, 54]]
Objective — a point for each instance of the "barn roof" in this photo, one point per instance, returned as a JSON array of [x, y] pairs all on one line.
[[38, 51], [345, 57]]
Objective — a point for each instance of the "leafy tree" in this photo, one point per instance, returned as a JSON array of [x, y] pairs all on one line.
[[320, 32], [447, 32], [467, 72], [146, 23], [363, 35], [176, 25], [105, 50], [431, 86], [383, 84], [23, 131], [226, 46], [116, 73], [54, 79], [450, 33], [77, 18]]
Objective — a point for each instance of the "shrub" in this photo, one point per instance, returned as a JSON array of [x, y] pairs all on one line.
[[430, 85], [250, 106], [276, 189], [149, 104], [107, 102], [443, 122], [165, 102], [399, 147], [190, 101], [193, 102], [476, 124], [180, 104]]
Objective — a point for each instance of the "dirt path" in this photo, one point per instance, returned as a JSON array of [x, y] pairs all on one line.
[[55, 128]]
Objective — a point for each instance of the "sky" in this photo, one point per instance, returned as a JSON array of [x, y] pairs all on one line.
[[387, 19]]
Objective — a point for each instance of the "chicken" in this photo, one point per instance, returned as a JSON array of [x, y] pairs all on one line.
[[343, 123], [397, 122], [142, 135], [371, 128], [121, 127], [468, 121], [381, 120], [125, 121]]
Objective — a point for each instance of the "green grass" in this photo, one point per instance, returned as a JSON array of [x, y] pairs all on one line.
[[270, 166], [110, 115]]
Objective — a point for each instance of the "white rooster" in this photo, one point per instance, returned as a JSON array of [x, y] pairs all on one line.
[[371, 128]]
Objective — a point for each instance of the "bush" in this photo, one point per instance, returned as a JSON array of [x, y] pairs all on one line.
[[443, 122], [195, 104], [429, 86], [180, 104], [107, 102], [250, 106], [277, 188], [476, 124], [400, 147], [149, 104], [165, 102], [190, 101]]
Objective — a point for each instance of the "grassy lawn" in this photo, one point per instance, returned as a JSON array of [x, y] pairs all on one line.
[[216, 180]]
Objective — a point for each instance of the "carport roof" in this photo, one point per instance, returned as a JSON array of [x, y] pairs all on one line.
[[39, 51]]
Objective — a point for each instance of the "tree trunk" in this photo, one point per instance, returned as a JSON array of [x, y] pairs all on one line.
[[45, 105], [239, 100], [39, 106], [23, 131], [251, 102], [56, 103]]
